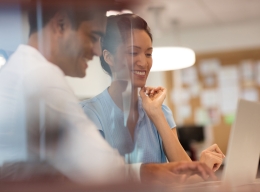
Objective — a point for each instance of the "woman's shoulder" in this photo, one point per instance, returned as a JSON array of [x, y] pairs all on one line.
[[94, 103]]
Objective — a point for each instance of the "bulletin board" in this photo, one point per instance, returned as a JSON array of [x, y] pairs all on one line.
[[236, 74]]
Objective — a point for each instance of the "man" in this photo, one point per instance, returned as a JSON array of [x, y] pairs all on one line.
[[40, 119]]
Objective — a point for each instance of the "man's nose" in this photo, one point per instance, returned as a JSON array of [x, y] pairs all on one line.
[[97, 49]]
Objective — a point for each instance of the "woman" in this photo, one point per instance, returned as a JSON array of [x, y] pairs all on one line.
[[149, 134]]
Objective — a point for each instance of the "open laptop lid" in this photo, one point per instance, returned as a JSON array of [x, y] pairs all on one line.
[[244, 145]]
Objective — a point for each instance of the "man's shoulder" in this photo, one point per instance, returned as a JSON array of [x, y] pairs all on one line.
[[27, 61]]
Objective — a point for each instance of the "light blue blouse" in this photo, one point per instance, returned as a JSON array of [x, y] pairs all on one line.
[[109, 119]]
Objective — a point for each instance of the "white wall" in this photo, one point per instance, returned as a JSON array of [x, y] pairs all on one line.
[[217, 37], [94, 83]]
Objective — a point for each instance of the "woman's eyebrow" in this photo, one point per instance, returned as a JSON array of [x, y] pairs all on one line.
[[134, 46]]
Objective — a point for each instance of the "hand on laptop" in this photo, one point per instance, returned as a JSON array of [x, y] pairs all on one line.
[[174, 172], [212, 157]]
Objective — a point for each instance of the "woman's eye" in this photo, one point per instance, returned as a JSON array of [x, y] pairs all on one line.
[[149, 55], [133, 53]]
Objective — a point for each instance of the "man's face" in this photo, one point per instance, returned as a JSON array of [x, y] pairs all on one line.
[[78, 46]]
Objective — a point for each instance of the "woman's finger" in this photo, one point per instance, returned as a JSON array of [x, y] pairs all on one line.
[[215, 148]]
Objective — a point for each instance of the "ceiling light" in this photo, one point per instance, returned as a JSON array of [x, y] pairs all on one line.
[[114, 12], [172, 58], [126, 11], [2, 60]]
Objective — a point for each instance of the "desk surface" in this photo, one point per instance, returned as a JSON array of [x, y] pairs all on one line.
[[41, 186]]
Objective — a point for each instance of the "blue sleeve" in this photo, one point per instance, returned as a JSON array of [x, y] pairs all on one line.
[[90, 113], [168, 115]]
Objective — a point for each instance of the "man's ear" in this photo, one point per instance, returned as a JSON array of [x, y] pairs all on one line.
[[60, 22], [108, 57]]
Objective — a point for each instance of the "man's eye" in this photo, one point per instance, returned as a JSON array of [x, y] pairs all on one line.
[[93, 38], [148, 54]]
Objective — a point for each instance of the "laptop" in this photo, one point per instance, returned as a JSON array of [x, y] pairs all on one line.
[[244, 145], [243, 150]]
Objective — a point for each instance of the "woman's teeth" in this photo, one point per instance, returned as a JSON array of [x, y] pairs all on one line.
[[139, 72]]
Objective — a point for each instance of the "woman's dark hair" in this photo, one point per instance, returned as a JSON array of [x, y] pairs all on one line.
[[117, 29]]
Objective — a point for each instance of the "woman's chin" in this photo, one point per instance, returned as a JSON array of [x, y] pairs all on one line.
[[138, 85]]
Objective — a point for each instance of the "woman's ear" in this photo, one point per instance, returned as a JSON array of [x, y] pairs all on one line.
[[108, 57]]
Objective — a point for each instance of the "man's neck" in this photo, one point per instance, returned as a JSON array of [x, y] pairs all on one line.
[[43, 45]]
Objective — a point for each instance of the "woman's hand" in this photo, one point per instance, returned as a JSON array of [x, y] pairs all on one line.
[[212, 157], [152, 99]]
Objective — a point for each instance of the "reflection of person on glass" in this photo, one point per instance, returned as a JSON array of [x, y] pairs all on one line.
[[40, 120], [150, 134]]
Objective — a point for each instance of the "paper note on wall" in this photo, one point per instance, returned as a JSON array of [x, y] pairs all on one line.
[[189, 75], [209, 66], [247, 69], [209, 98], [257, 72], [229, 89], [185, 111], [247, 72], [180, 96], [195, 89], [201, 117], [250, 94]]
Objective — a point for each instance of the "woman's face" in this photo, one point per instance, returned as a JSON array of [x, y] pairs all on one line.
[[136, 54]]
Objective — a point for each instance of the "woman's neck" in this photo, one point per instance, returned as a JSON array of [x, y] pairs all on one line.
[[116, 90]]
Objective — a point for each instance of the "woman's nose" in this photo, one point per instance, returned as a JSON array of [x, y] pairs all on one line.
[[142, 60]]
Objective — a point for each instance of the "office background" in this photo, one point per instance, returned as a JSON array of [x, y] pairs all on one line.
[[222, 33]]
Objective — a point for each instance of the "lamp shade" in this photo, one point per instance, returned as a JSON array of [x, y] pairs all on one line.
[[172, 58]]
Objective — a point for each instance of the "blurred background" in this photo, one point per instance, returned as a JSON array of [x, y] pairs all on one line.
[[225, 36]]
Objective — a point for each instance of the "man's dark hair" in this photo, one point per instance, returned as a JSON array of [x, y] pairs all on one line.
[[41, 12], [117, 30]]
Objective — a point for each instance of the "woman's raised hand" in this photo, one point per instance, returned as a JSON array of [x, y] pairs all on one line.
[[152, 98], [212, 157]]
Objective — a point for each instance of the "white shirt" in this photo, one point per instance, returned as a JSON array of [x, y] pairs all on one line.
[[40, 119]]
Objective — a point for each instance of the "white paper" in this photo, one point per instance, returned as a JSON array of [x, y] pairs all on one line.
[[201, 117], [209, 66], [228, 76], [209, 98], [181, 96], [195, 89], [209, 81], [189, 75], [214, 115], [185, 111], [229, 89], [250, 94], [247, 70], [257, 72]]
